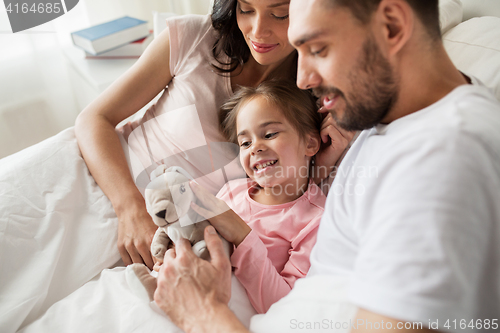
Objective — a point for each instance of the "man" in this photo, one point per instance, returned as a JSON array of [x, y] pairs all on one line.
[[412, 218]]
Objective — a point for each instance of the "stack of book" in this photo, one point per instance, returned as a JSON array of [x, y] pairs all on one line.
[[125, 37]]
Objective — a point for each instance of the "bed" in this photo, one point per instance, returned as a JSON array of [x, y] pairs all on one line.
[[58, 230]]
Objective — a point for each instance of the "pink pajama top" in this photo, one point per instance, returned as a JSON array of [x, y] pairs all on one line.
[[276, 252]]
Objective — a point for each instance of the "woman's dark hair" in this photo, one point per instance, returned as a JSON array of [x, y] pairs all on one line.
[[230, 40]]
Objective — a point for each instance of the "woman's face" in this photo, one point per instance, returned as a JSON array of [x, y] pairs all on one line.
[[264, 24]]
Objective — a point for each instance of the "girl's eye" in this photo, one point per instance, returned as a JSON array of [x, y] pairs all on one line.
[[270, 135], [245, 144]]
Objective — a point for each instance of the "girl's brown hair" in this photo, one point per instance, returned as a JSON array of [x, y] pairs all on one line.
[[298, 106]]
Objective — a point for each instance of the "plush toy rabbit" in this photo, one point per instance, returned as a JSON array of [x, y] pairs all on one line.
[[168, 201]]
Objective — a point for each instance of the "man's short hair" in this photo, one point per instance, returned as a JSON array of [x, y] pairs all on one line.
[[426, 10]]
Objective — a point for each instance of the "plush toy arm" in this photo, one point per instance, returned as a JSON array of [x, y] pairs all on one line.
[[159, 245], [141, 283]]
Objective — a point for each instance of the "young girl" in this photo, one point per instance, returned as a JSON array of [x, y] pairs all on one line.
[[272, 216]]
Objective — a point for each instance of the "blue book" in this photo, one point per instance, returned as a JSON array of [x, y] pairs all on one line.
[[110, 35]]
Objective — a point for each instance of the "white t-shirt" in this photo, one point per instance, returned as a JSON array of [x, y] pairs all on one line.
[[413, 215]]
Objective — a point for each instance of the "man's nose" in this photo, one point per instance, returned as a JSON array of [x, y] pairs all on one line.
[[307, 76]]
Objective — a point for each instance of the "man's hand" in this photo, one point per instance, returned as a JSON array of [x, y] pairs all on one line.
[[193, 292], [334, 141], [135, 234], [223, 218]]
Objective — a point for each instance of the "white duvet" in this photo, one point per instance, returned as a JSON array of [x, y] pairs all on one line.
[[57, 228], [58, 238], [108, 304]]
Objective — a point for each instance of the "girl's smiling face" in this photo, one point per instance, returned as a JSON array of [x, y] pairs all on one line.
[[271, 151]]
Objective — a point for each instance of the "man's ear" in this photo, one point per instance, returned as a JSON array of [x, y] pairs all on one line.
[[397, 19], [312, 144]]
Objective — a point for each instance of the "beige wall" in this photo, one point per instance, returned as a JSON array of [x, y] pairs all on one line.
[[473, 8]]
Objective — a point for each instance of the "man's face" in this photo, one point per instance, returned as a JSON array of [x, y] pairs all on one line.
[[340, 59]]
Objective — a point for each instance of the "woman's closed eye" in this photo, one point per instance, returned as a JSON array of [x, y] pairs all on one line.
[[278, 17], [245, 11], [284, 17]]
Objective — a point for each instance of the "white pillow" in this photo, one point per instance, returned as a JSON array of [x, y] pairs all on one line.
[[450, 14], [478, 8], [474, 48]]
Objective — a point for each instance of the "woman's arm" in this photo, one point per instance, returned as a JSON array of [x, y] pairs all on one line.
[[103, 153]]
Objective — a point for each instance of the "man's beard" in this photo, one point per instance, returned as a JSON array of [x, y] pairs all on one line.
[[373, 91]]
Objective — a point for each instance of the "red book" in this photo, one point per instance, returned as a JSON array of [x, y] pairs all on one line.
[[131, 50]]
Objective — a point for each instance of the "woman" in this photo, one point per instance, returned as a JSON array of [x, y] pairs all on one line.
[[244, 44]]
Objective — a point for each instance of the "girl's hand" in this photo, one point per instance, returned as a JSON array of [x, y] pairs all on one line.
[[223, 218], [135, 234], [158, 262], [157, 265], [334, 141]]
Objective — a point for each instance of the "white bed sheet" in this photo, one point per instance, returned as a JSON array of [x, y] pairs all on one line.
[[57, 229], [108, 304]]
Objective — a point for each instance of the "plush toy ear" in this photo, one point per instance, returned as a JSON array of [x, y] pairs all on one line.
[[160, 170]]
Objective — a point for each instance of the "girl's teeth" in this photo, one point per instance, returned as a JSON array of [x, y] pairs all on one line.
[[262, 166]]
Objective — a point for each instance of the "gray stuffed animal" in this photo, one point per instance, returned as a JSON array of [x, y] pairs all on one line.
[[168, 201]]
